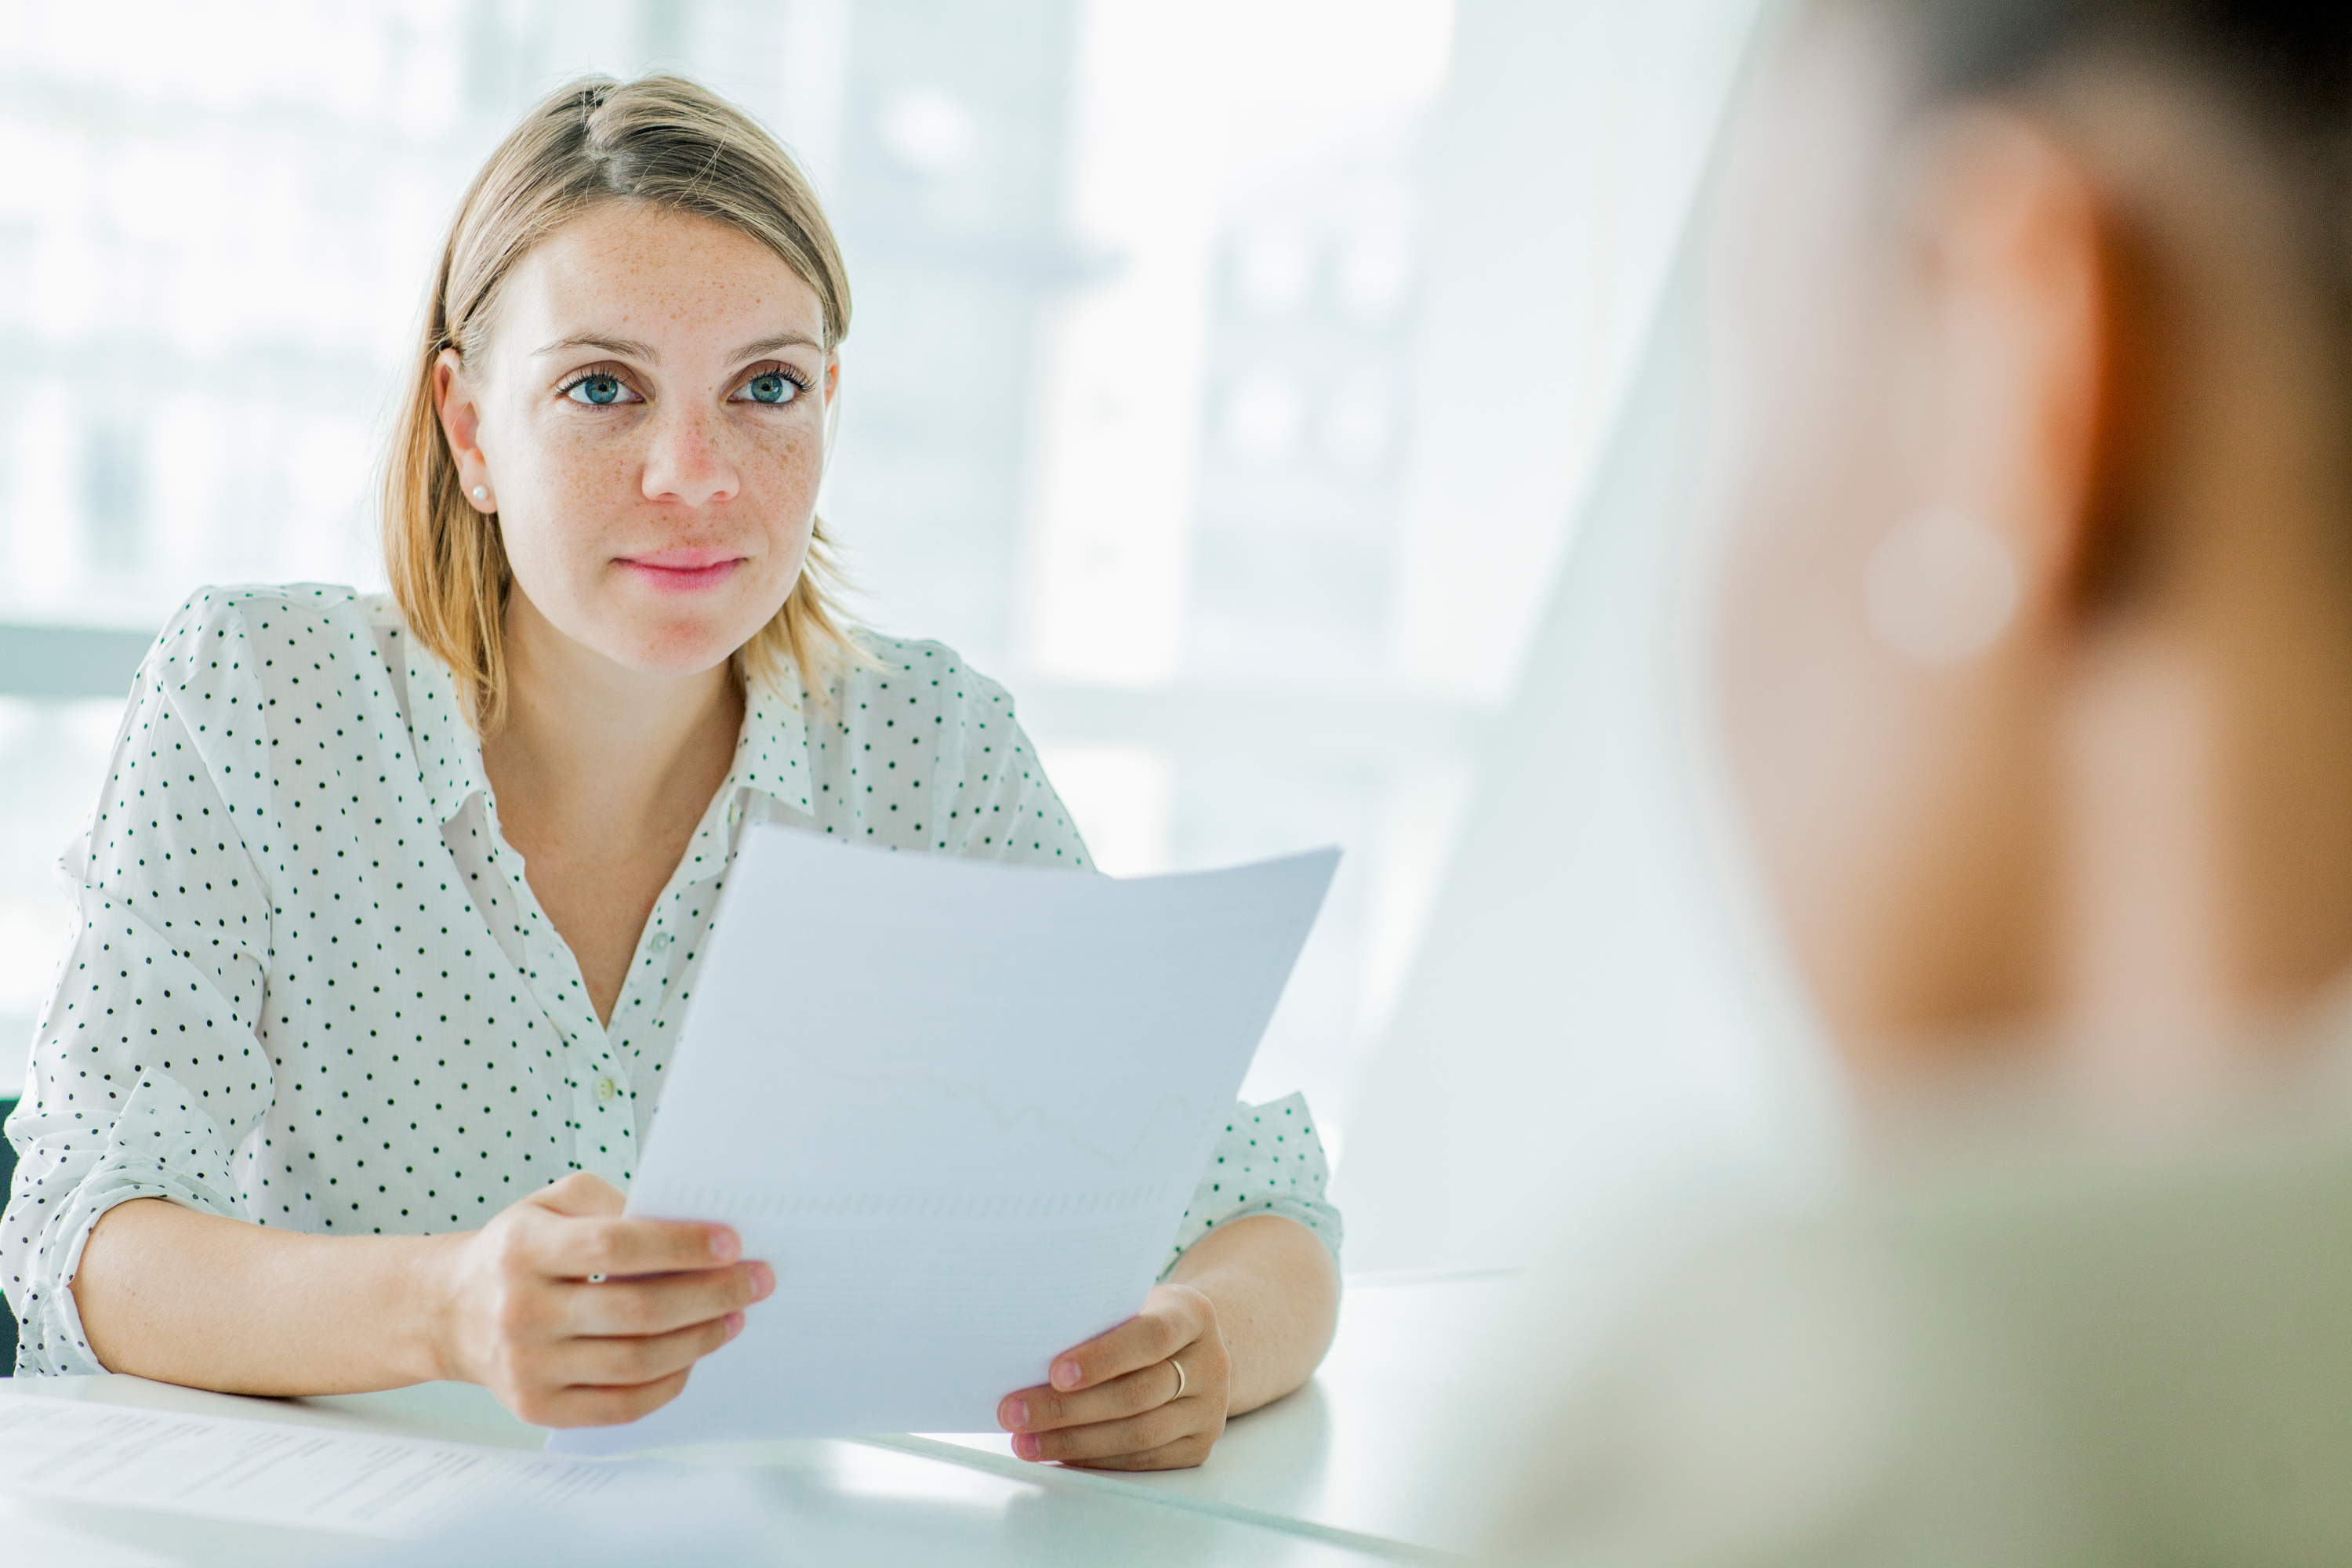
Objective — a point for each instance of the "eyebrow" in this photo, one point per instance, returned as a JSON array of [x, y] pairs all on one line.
[[765, 346], [629, 348], [626, 348]]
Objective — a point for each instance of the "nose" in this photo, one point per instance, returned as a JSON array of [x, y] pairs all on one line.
[[688, 461]]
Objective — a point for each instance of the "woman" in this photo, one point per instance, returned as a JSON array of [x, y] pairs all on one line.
[[2035, 650], [392, 906]]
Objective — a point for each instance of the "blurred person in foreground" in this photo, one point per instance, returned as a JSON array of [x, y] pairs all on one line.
[[2034, 636]]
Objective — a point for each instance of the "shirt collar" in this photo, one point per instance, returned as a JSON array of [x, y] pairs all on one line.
[[770, 753], [447, 749]]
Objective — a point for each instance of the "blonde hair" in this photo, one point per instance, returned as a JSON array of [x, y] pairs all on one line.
[[659, 139]]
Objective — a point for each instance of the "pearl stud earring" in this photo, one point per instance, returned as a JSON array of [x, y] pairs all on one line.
[[481, 492], [1941, 587]]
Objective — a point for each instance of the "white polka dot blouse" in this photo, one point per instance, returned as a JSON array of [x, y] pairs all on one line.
[[310, 985]]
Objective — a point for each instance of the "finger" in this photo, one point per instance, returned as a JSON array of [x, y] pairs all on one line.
[[1181, 1455], [1047, 1409], [635, 1307], [596, 1406], [632, 1362], [582, 1194], [1104, 1439], [617, 1248], [1153, 1335]]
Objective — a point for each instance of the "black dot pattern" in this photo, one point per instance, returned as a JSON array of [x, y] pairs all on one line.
[[310, 986], [1269, 1161]]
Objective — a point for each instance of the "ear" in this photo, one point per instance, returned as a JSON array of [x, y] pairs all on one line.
[[832, 406], [455, 399], [2019, 302]]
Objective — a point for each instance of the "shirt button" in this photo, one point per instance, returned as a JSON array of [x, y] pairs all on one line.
[[660, 943], [605, 1090]]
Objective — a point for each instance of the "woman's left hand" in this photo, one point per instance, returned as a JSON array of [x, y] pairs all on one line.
[[1112, 1403]]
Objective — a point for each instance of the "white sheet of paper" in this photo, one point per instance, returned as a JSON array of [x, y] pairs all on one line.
[[265, 1472], [958, 1106], [56, 1546]]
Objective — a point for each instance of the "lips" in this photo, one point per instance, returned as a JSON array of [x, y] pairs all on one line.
[[681, 570]]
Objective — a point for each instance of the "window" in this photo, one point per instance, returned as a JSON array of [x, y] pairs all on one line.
[[1223, 376]]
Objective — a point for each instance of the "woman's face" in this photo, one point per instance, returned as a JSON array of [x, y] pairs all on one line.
[[648, 420]]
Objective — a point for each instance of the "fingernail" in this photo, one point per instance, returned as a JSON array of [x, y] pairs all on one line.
[[734, 1324], [1027, 1446], [763, 1282], [1013, 1416], [1066, 1374], [725, 1245]]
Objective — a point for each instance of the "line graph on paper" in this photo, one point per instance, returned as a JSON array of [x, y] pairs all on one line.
[[1109, 1141], [991, 1094]]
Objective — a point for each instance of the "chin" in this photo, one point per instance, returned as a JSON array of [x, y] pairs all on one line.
[[678, 649]]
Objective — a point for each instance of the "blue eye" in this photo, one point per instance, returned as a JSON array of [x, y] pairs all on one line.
[[599, 390], [771, 386]]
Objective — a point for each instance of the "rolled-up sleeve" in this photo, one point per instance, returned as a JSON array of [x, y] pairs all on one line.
[[147, 1074], [1269, 1160]]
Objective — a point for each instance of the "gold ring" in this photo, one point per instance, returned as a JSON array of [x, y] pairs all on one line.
[[1179, 1380]]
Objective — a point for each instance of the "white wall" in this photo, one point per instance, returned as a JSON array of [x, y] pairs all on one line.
[[1570, 137], [1595, 1023]]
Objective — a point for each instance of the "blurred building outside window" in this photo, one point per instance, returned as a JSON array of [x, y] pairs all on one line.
[[1187, 391]]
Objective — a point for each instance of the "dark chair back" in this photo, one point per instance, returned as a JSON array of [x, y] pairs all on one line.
[[7, 1320]]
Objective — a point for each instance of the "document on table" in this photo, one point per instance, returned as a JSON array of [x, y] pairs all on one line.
[[959, 1108], [57, 1546], [267, 1472]]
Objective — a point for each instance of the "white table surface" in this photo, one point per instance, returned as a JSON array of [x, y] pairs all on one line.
[[1379, 1450], [1363, 1465]]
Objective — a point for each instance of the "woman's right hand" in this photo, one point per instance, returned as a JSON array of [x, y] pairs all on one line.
[[574, 1316]]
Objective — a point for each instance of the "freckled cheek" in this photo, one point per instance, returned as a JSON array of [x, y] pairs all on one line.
[[585, 467], [783, 475], [561, 468], [559, 487]]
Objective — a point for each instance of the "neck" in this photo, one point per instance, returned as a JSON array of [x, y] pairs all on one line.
[[584, 737], [2207, 731], [2208, 870]]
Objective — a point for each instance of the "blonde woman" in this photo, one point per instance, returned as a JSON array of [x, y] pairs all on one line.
[[392, 906]]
